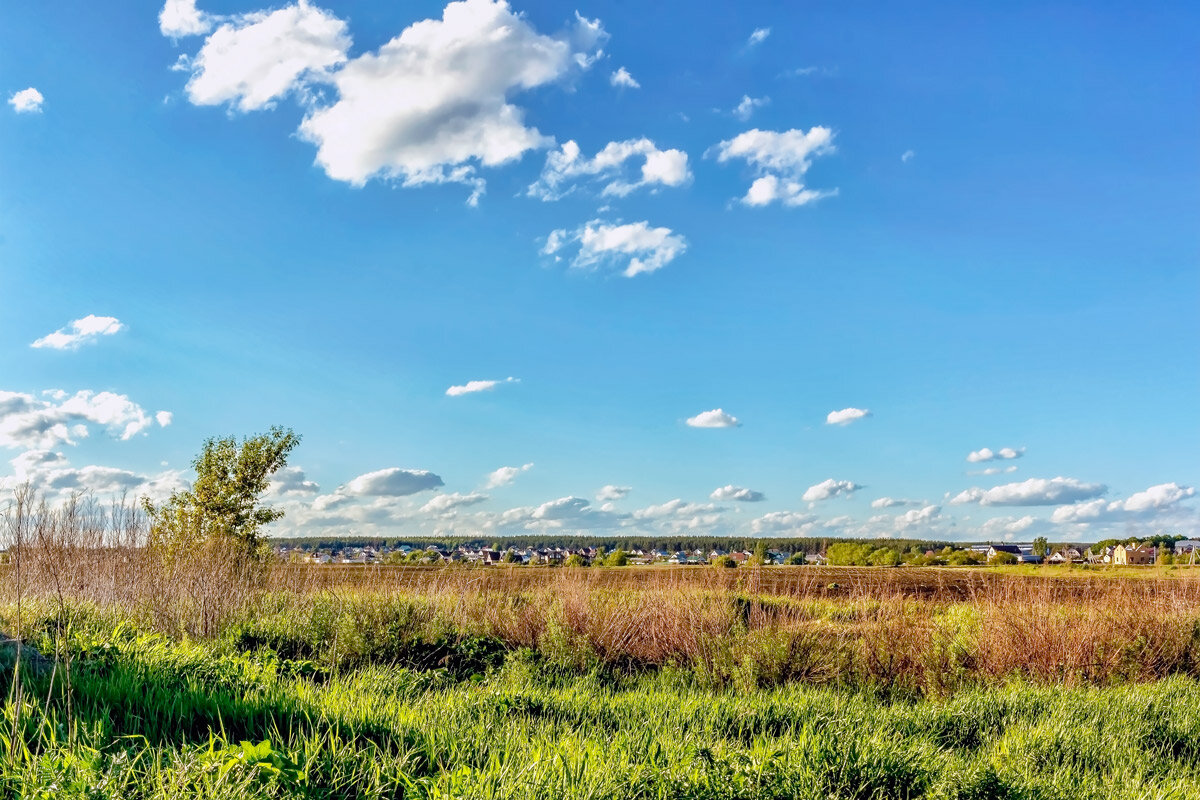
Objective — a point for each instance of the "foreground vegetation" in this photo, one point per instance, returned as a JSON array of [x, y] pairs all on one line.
[[155, 717]]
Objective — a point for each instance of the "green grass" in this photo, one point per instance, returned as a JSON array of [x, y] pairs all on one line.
[[155, 717]]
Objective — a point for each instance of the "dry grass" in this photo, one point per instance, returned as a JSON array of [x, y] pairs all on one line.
[[932, 628]]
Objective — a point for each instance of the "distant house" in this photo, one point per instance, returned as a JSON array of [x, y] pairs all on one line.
[[1134, 554], [1068, 556], [997, 549]]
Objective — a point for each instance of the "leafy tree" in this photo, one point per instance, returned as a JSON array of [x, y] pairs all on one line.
[[760, 554], [225, 501], [617, 558], [575, 560], [509, 557], [795, 559], [724, 562], [883, 557], [1003, 558], [1040, 546]]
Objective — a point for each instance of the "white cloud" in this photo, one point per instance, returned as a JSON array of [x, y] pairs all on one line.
[[907, 156], [433, 102], [917, 518], [181, 18], [164, 418], [829, 488], [639, 247], [392, 482], [470, 387], [716, 418], [745, 109], [255, 59], [442, 503], [574, 512], [1158, 498], [52, 475], [994, 470], [658, 168], [611, 492], [1006, 527], [758, 36], [781, 160], [893, 502], [623, 79], [27, 101], [739, 493], [846, 416], [80, 332], [292, 480], [1033, 492], [782, 523], [31, 422], [987, 454], [505, 475]]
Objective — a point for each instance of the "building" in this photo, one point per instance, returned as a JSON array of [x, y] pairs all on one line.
[[1134, 554]]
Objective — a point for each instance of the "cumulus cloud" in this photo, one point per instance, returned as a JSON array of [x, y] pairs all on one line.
[[780, 159], [1144, 503], [52, 474], [253, 60], [164, 418], [505, 475], [893, 502], [739, 493], [27, 101], [784, 523], [610, 492], [443, 503], [745, 109], [611, 166], [987, 454], [292, 480], [576, 512], [829, 488], [917, 518], [846, 416], [433, 103], [907, 156], [470, 387], [1006, 527], [1033, 492], [392, 482], [758, 36], [57, 418], [622, 78], [182, 18], [80, 332], [638, 247], [716, 418]]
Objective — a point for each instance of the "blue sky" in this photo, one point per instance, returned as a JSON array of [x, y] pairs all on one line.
[[978, 226]]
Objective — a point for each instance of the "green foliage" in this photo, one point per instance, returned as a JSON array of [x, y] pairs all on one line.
[[156, 719], [225, 500], [1001, 559], [1040, 546], [575, 560], [617, 558], [725, 562]]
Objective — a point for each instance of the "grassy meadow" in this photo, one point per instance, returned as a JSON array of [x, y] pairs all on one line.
[[194, 679]]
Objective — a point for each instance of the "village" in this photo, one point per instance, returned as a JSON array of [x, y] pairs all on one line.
[[1130, 553]]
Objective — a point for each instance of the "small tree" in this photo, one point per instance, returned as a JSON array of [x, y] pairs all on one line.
[[575, 560], [1040, 546], [724, 561], [1003, 558], [225, 501], [795, 560], [617, 558]]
